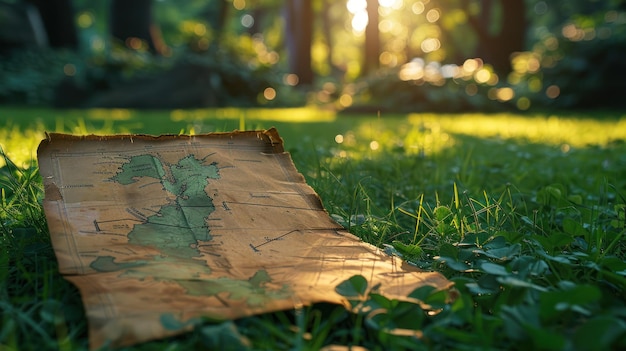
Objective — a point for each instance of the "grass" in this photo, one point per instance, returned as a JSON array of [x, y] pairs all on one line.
[[526, 214]]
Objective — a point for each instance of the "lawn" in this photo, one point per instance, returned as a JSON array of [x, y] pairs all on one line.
[[525, 213]]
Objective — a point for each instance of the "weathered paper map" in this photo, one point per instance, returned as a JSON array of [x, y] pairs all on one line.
[[157, 231]]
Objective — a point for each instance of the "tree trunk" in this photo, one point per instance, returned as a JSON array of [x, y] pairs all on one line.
[[372, 39], [496, 47], [133, 19], [299, 37], [58, 20], [217, 15]]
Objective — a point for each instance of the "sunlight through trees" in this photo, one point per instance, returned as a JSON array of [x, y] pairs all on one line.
[[527, 52]]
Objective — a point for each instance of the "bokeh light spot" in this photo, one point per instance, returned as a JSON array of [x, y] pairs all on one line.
[[69, 70], [523, 103], [418, 8], [541, 7], [291, 79], [471, 89], [345, 100], [610, 16], [482, 76], [505, 94], [534, 84], [247, 20], [430, 45], [553, 91], [269, 93], [97, 44], [413, 70], [433, 15], [551, 43], [199, 29], [134, 43], [239, 4], [388, 59], [572, 32], [471, 65], [85, 20], [385, 26]]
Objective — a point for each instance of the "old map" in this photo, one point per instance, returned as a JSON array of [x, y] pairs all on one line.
[[157, 232]]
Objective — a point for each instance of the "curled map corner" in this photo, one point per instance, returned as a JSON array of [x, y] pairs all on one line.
[[157, 232]]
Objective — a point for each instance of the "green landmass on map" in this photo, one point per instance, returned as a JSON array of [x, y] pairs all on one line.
[[140, 166], [253, 290], [108, 264], [175, 228]]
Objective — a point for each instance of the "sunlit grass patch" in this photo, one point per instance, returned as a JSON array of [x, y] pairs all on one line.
[[429, 134], [551, 130], [20, 145], [291, 115]]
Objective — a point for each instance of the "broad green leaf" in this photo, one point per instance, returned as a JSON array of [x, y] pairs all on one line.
[[354, 287], [495, 269], [408, 251], [549, 195], [489, 281], [555, 240], [518, 283], [475, 239], [477, 289], [438, 299], [441, 213], [422, 292], [600, 333], [495, 243], [377, 301], [529, 266], [576, 199], [620, 221], [223, 336], [614, 264], [554, 302], [449, 250], [405, 315], [454, 264], [545, 339], [502, 253], [518, 319], [560, 258], [574, 228]]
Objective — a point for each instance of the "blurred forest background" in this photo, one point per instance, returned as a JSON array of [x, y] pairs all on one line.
[[359, 55]]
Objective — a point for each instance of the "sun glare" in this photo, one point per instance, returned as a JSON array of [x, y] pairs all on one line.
[[355, 6], [359, 21], [358, 9]]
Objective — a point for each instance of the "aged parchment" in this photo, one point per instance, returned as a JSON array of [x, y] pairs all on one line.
[[157, 231]]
